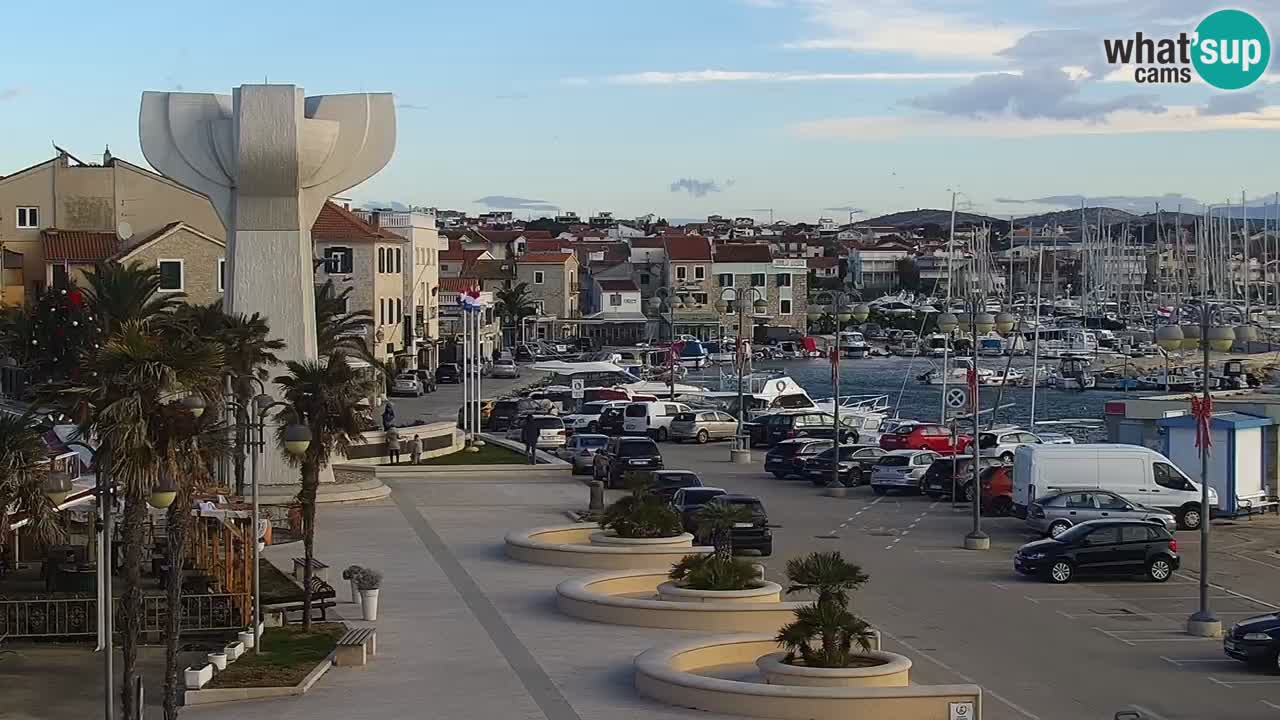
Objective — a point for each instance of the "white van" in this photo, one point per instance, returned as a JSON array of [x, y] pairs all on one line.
[[1138, 474], [651, 418]]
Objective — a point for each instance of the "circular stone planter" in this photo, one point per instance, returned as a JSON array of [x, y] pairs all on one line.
[[571, 546], [890, 670], [631, 598], [609, 538], [670, 674], [764, 592]]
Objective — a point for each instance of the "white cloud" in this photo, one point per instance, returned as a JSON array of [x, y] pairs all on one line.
[[691, 77], [1177, 119], [893, 26]]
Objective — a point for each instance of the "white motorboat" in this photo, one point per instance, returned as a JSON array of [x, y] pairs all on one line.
[[957, 375], [853, 344]]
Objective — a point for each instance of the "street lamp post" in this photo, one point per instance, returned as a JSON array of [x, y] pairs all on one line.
[[667, 300], [840, 303], [728, 303], [105, 495], [980, 323]]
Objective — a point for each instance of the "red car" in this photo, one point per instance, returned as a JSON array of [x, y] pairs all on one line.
[[924, 436]]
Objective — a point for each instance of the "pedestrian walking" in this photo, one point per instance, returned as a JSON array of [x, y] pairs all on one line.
[[530, 436], [388, 416], [393, 446], [415, 450]]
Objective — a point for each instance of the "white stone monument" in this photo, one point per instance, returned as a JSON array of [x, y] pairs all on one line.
[[268, 158]]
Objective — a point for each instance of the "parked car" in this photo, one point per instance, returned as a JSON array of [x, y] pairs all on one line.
[[666, 483], [1053, 515], [407, 384], [1002, 443], [651, 418], [788, 458], [624, 454], [587, 417], [1255, 640], [703, 425], [611, 418], [855, 461], [924, 436], [901, 470], [751, 535], [504, 412], [781, 426], [504, 368], [448, 373], [580, 450], [427, 378], [551, 434], [687, 502], [937, 479], [1136, 473], [1115, 547], [997, 490], [1053, 438]]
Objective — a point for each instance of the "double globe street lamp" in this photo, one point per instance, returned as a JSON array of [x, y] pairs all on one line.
[[845, 307], [729, 304], [667, 300]]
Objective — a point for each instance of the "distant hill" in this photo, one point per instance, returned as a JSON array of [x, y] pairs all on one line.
[[917, 218], [1071, 218]]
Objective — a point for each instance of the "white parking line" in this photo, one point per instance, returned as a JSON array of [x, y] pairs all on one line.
[[1232, 683], [1230, 591], [1017, 708], [1148, 713], [1271, 705], [1252, 560], [1197, 661]]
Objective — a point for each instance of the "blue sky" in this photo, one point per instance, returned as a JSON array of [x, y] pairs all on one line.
[[803, 106]]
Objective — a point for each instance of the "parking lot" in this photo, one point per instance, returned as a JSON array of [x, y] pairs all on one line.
[[1087, 649]]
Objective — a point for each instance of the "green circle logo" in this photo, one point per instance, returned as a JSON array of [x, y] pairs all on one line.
[[1232, 49]]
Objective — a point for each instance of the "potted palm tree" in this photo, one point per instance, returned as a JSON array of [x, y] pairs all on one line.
[[368, 583], [718, 576], [640, 518], [827, 644]]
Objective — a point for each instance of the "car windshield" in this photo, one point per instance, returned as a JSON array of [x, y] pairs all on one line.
[[589, 441], [785, 449], [637, 448], [904, 430], [637, 410], [449, 367], [677, 480], [502, 361], [754, 506], [894, 460], [988, 440], [505, 407], [547, 423], [700, 497], [593, 408]]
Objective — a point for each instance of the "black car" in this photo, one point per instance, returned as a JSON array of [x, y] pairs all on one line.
[[428, 380], [788, 458], [504, 413], [622, 455], [855, 464], [448, 373], [799, 424], [610, 421], [751, 535], [937, 479], [1102, 547], [1255, 641], [688, 502], [666, 483]]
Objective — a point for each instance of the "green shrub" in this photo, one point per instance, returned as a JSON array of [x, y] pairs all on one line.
[[827, 620], [641, 515], [713, 572]]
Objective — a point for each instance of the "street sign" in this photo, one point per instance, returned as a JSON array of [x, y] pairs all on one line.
[[961, 711], [957, 398], [579, 388]]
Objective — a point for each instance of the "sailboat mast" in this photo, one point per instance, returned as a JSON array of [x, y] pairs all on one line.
[[946, 342], [1035, 349], [1244, 237]]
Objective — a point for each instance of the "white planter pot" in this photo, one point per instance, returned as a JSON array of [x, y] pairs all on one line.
[[218, 660], [369, 604], [234, 651], [355, 593], [246, 639], [196, 679]]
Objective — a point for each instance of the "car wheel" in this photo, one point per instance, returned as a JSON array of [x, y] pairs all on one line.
[[703, 437], [1159, 569], [663, 434], [766, 550], [1006, 458], [1058, 527], [1189, 518], [1060, 572], [1002, 506], [968, 492], [878, 490]]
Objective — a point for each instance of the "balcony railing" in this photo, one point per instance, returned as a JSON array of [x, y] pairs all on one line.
[[74, 617]]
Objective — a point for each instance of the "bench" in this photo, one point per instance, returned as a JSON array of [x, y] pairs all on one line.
[[356, 646], [318, 569], [323, 597], [1248, 507]]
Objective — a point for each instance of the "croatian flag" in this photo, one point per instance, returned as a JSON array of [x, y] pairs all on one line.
[[470, 299]]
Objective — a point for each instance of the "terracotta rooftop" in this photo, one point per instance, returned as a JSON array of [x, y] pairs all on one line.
[[744, 253], [458, 284], [541, 245], [618, 285], [543, 258], [78, 246], [648, 242], [338, 223], [457, 253], [688, 247], [488, 270]]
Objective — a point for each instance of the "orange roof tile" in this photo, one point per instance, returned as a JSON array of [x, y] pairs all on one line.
[[744, 253], [546, 257], [688, 247], [337, 223], [78, 246]]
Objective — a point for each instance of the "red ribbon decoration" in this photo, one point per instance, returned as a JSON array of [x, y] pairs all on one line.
[[972, 376], [835, 359], [1202, 411]]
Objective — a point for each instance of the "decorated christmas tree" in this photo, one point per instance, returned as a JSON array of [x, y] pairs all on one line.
[[61, 328]]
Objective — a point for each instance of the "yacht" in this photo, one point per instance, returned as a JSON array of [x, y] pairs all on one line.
[[865, 412], [936, 345], [853, 344], [1074, 373], [957, 375], [763, 392], [991, 345]]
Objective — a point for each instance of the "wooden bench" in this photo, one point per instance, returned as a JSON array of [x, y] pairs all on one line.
[[1248, 507], [323, 597], [318, 569], [356, 646]]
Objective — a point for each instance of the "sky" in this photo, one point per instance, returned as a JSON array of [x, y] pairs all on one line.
[[683, 108]]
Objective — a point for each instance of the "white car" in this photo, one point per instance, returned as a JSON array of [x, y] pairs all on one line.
[[651, 418], [504, 368], [901, 470], [406, 384], [1004, 443], [587, 418]]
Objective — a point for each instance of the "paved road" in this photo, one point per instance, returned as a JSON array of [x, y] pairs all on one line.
[[443, 404], [1084, 650]]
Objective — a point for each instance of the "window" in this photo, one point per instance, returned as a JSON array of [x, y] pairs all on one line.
[[726, 279], [538, 277], [699, 272], [338, 261], [382, 260], [1080, 500], [222, 274], [1167, 476], [784, 279], [784, 306], [382, 311], [399, 311], [1111, 502], [757, 280], [170, 275], [699, 298], [59, 276], [644, 278], [28, 217], [399, 254], [682, 272], [1103, 536], [615, 299], [1133, 534]]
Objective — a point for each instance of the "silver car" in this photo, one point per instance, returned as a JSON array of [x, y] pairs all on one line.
[[504, 368], [406, 384], [1052, 515], [901, 470], [703, 425], [581, 449]]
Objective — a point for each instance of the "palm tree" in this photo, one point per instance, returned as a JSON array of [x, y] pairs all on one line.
[[339, 330], [828, 619], [327, 397], [716, 521], [514, 304], [23, 467], [118, 293]]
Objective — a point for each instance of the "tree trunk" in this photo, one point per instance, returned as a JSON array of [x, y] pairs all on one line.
[[307, 496], [135, 516], [242, 434], [179, 519]]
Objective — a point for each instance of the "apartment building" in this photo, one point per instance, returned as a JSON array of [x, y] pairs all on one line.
[[421, 275], [552, 280], [688, 273], [745, 273]]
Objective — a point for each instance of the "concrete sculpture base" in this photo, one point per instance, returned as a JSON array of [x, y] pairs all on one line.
[[632, 598]]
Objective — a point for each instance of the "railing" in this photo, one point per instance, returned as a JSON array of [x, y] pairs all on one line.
[[72, 617]]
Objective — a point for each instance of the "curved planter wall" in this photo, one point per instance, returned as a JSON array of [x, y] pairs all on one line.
[[894, 671], [608, 538], [610, 598], [669, 675], [570, 546], [767, 592]]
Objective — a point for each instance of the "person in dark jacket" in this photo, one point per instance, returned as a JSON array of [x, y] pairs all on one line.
[[388, 416], [530, 436]]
